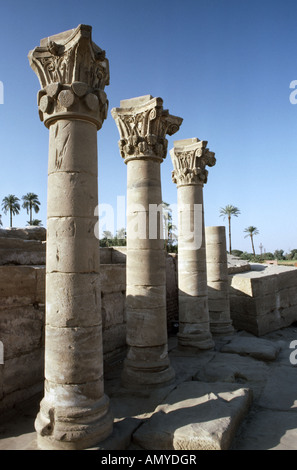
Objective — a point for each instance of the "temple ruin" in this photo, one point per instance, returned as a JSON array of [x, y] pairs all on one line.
[[92, 331]]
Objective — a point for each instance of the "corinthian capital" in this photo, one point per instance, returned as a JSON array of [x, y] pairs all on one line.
[[143, 124], [72, 71], [190, 158]]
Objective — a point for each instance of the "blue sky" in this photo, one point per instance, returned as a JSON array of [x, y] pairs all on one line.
[[224, 66]]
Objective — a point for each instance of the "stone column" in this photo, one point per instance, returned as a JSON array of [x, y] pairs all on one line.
[[217, 280], [190, 158], [143, 125], [73, 71]]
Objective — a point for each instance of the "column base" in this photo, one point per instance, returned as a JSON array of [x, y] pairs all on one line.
[[196, 340], [73, 428], [222, 329], [136, 376]]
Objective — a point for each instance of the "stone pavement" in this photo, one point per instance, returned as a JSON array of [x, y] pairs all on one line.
[[240, 396]]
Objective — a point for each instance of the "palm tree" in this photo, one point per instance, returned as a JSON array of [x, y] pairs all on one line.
[[35, 222], [1, 220], [228, 211], [251, 231], [11, 203], [30, 203]]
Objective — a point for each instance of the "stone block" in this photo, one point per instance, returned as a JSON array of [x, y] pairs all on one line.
[[287, 278], [119, 255], [113, 309], [22, 371], [40, 285], [219, 305], [73, 299], [27, 233], [22, 251], [194, 284], [141, 330], [193, 309], [114, 339], [141, 274], [17, 286], [21, 330], [264, 300], [217, 272], [257, 348], [69, 347], [67, 149], [71, 245], [71, 195], [113, 278], [68, 394], [105, 255], [277, 397], [240, 285], [196, 416], [145, 297]]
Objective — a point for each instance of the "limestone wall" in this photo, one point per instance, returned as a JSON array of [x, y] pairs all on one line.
[[22, 314], [263, 299], [21, 332], [22, 246]]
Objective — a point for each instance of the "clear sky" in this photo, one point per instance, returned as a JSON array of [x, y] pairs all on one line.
[[224, 66]]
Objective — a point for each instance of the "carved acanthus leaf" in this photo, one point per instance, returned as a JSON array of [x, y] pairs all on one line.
[[190, 162], [143, 129], [73, 72]]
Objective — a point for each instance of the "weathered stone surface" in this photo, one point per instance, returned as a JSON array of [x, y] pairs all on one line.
[[143, 125], [69, 235], [27, 233], [258, 348], [113, 278], [65, 347], [269, 430], [105, 255], [275, 395], [23, 371], [114, 340], [237, 265], [196, 416], [20, 251], [113, 309], [190, 158], [119, 255], [21, 330], [263, 299], [217, 281], [21, 285], [74, 109], [233, 368], [73, 300]]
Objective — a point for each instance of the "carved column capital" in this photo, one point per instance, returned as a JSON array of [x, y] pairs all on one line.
[[190, 158], [72, 71], [143, 124]]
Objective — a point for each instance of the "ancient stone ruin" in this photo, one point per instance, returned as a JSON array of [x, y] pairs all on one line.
[[91, 329]]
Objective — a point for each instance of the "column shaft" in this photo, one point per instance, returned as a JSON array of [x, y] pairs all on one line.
[[194, 328], [143, 124], [217, 279], [74, 413], [189, 159], [147, 360]]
